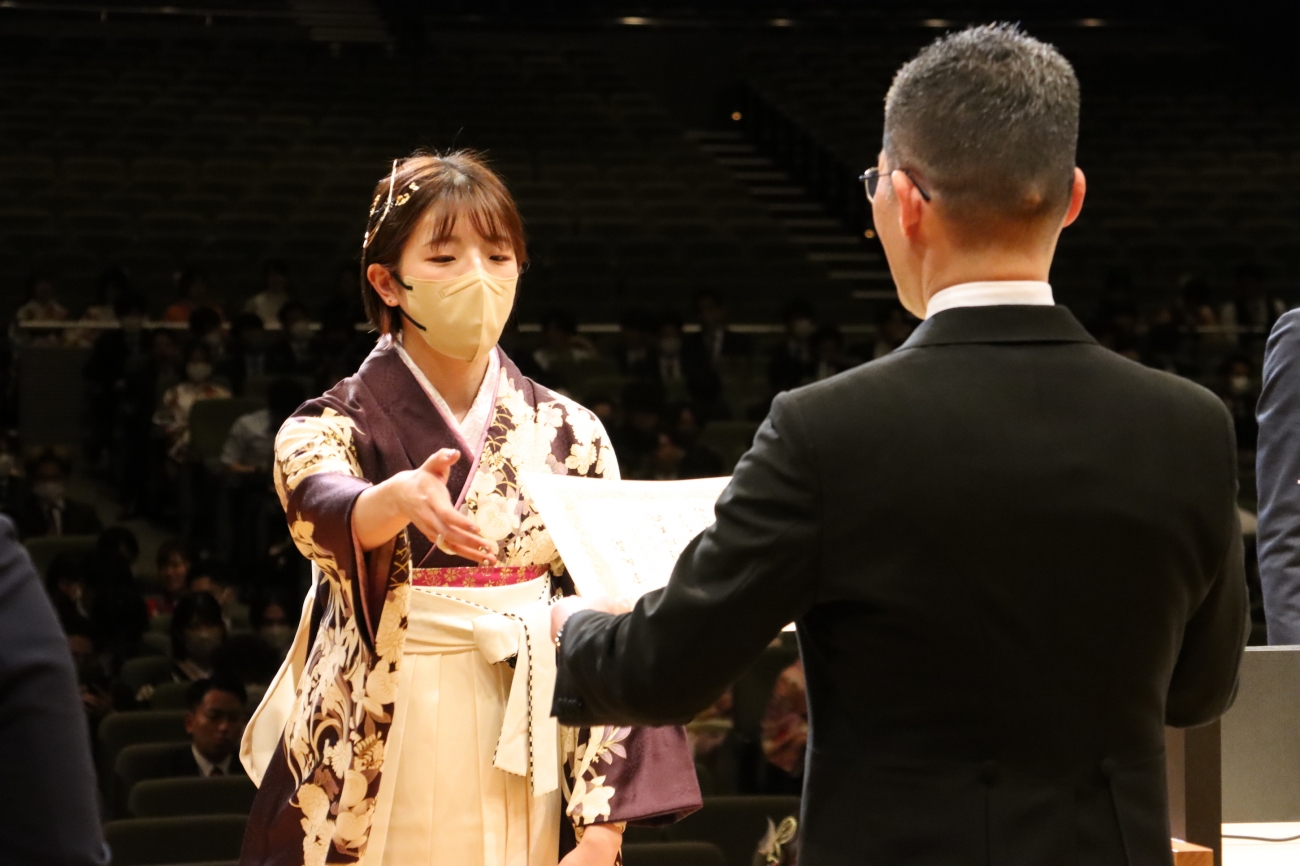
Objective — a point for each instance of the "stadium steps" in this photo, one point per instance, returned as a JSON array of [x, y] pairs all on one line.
[[825, 240], [341, 21]]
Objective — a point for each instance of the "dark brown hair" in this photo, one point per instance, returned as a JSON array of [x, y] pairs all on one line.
[[452, 185]]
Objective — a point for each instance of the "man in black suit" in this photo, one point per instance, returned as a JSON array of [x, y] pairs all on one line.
[[50, 815], [1012, 555], [46, 509], [215, 722]]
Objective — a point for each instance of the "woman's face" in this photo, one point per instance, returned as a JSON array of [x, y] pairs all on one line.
[[173, 574], [456, 255]]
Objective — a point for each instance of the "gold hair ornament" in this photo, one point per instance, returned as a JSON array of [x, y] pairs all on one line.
[[389, 204]]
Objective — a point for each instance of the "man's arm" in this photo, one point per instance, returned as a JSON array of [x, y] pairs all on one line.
[[1277, 476], [51, 816], [1204, 682], [735, 586]]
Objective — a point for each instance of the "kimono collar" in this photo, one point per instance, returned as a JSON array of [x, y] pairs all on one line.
[[476, 421]]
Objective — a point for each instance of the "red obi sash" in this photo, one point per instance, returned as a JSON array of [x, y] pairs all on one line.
[[476, 576]]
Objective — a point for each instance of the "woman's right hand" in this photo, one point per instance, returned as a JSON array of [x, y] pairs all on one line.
[[420, 497]]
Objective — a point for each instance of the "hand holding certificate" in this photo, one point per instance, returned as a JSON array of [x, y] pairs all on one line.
[[621, 538]]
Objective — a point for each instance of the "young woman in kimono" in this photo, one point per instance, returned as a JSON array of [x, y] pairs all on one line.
[[411, 722]]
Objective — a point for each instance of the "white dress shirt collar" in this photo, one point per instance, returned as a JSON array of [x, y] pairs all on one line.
[[206, 767], [990, 293]]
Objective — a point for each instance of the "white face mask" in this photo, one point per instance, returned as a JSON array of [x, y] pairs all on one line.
[[463, 317]]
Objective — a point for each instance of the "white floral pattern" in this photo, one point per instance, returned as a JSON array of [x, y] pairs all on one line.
[[334, 743]]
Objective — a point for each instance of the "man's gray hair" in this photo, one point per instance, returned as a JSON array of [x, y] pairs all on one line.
[[989, 117]]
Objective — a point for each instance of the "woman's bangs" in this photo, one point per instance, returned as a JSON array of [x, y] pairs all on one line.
[[490, 217]]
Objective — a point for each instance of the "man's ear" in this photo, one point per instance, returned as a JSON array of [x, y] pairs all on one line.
[[1077, 191], [911, 204], [382, 280]]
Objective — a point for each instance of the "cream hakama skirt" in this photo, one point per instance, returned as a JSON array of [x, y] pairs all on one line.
[[441, 801]]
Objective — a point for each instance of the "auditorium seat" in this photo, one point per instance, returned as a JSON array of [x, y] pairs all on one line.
[[165, 798], [734, 824], [191, 839], [674, 854], [143, 761], [44, 548]]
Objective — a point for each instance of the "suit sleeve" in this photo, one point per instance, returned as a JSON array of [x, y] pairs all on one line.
[[1277, 476], [1204, 682], [733, 589], [51, 817]]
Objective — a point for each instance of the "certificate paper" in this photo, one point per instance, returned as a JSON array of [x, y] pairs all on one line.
[[621, 538]]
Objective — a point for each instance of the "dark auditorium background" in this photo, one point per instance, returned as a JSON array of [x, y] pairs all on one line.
[[183, 191]]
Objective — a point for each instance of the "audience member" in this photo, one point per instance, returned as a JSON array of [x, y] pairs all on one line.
[[41, 306], [562, 347], [1239, 388], [206, 329], [93, 680], [247, 354], [634, 353], [110, 287], [266, 304], [715, 340], [293, 351], [198, 630], [1251, 308], [173, 578], [785, 732], [210, 578], [173, 416], [47, 509], [120, 542], [828, 353], [194, 294], [68, 584], [791, 363], [274, 620], [780, 844], [119, 616], [215, 722]]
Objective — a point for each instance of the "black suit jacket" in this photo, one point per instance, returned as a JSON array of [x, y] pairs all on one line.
[[1012, 555], [50, 814]]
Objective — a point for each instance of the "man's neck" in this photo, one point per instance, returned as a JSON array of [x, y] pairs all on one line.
[[455, 380]]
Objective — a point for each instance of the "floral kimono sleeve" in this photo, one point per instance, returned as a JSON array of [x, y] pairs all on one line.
[[318, 479]]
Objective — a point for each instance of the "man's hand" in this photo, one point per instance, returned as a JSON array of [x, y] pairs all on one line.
[[571, 604], [599, 846]]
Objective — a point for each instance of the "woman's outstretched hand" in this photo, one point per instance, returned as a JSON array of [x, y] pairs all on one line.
[[420, 497]]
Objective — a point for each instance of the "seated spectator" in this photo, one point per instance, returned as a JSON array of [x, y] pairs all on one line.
[[672, 366], [120, 542], [829, 357], [195, 294], [715, 340], [198, 630], [274, 620], [893, 327], [250, 446], [679, 454], [562, 346], [111, 285], [293, 350], [118, 614], [215, 722], [785, 731], [266, 304], [792, 362], [210, 578], [634, 352], [205, 328], [92, 678], [41, 306], [68, 584], [46, 509], [173, 416], [643, 416], [246, 352], [173, 578]]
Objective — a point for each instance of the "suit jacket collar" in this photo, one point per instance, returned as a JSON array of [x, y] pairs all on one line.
[[999, 324]]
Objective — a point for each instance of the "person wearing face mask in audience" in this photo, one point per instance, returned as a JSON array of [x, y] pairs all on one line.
[[47, 509], [270, 619], [792, 362], [425, 641], [197, 631], [293, 350], [173, 417]]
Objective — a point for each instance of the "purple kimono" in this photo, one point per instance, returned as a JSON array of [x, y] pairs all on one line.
[[319, 781]]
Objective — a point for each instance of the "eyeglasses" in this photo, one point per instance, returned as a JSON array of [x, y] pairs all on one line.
[[871, 179]]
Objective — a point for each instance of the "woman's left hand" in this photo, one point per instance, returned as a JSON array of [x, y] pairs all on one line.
[[599, 846]]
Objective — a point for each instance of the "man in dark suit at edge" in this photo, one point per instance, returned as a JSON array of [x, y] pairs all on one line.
[[1012, 555]]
